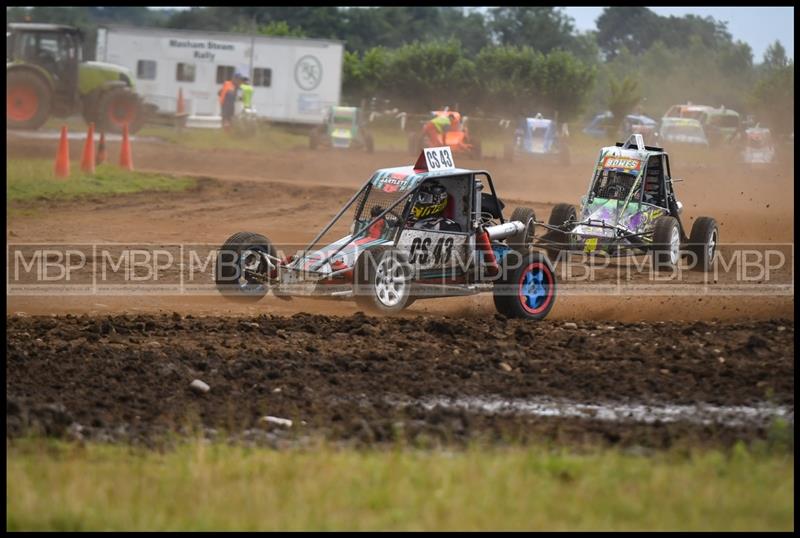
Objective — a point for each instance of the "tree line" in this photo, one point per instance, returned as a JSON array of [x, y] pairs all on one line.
[[504, 61]]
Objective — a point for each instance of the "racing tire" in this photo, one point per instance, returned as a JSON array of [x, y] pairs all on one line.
[[666, 243], [28, 100], [382, 281], [508, 152], [703, 242], [527, 291], [117, 107], [560, 215], [229, 274], [523, 241]]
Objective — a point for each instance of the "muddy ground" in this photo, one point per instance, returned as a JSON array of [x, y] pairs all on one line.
[[127, 378]]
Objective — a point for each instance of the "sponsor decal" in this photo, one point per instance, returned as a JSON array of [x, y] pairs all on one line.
[[623, 163], [392, 182], [308, 72]]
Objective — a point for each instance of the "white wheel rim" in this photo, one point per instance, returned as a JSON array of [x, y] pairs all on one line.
[[712, 246], [390, 282], [675, 246], [250, 260]]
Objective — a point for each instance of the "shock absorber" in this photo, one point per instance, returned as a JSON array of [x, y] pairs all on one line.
[[483, 243]]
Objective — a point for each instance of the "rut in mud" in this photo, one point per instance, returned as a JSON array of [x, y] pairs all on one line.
[[126, 378]]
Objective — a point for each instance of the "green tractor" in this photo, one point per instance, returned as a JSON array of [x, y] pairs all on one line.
[[46, 75]]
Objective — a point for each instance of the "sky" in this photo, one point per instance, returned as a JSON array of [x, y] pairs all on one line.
[[757, 26]]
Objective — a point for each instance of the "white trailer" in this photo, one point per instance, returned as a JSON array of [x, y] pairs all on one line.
[[294, 80]]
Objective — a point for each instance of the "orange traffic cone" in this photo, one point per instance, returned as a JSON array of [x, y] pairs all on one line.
[[87, 163], [62, 157], [181, 105], [125, 155], [101, 149]]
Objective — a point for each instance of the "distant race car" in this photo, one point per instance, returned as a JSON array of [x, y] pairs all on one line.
[[631, 207], [458, 138], [686, 131], [344, 128], [537, 137], [603, 123], [758, 146], [421, 231]]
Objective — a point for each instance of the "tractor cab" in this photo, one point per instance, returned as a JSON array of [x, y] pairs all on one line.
[[55, 49]]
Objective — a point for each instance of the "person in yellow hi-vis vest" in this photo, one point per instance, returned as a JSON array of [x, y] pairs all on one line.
[[247, 93]]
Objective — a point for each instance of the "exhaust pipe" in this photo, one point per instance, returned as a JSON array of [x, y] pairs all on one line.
[[507, 229]]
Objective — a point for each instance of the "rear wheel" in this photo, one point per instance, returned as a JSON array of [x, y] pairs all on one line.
[[118, 107], [242, 272], [522, 241], [703, 242], [560, 216], [528, 291], [666, 243], [28, 100]]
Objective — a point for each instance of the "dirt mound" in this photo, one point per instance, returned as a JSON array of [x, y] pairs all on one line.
[[128, 377]]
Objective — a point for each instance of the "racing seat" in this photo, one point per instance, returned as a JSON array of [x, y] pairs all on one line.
[[652, 187]]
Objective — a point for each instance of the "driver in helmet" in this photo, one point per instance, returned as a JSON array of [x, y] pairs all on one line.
[[429, 207]]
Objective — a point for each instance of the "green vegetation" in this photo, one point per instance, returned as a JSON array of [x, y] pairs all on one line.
[[33, 179], [198, 486]]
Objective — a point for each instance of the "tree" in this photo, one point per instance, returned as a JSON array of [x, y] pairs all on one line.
[[623, 97], [775, 56], [541, 28]]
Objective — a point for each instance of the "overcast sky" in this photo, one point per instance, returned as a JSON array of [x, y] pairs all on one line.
[[756, 26]]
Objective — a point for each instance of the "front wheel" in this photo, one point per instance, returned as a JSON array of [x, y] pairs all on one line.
[[527, 291], [561, 215], [666, 243], [244, 267], [382, 281]]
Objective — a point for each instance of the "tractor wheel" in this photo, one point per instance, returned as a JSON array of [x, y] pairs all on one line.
[[117, 107], [666, 243], [28, 100], [241, 271], [528, 291], [523, 240], [560, 215], [703, 242]]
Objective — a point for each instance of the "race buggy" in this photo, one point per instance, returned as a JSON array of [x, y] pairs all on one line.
[[686, 131], [422, 231], [758, 148], [458, 137], [344, 128], [537, 137], [631, 207]]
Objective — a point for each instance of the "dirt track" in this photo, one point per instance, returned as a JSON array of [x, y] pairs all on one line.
[[430, 379], [127, 378], [288, 196]]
